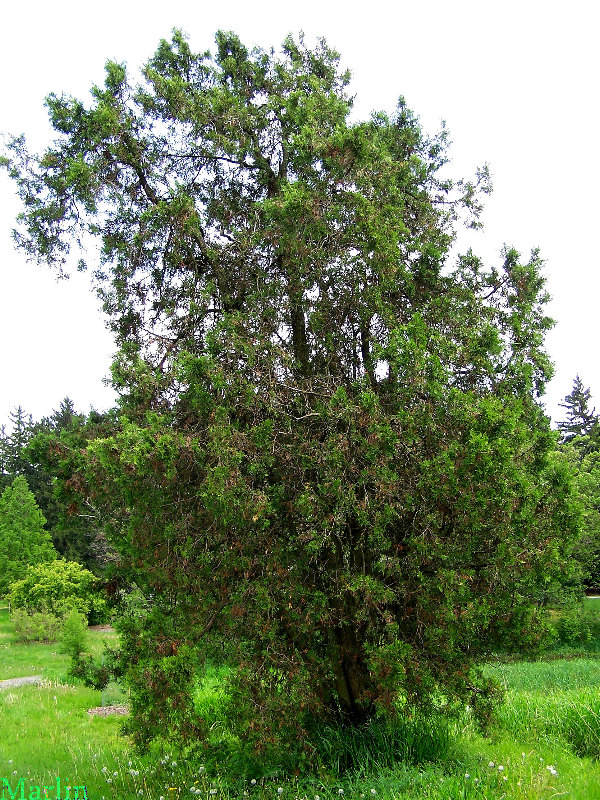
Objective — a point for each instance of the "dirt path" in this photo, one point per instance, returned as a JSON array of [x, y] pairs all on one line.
[[12, 682]]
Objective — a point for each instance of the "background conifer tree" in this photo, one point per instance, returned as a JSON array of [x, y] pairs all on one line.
[[23, 539], [580, 421]]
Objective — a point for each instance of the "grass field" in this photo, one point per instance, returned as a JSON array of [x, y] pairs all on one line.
[[545, 744]]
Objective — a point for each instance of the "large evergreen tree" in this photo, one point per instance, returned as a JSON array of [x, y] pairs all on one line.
[[331, 457], [16, 437]]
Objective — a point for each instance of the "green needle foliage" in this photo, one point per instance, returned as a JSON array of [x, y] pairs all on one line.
[[331, 462]]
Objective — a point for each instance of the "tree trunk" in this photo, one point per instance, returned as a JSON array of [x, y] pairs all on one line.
[[352, 677]]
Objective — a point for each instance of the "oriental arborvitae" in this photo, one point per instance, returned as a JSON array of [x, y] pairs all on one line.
[[331, 460]]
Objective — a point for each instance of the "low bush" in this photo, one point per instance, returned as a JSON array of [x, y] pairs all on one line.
[[37, 627], [577, 624], [89, 672]]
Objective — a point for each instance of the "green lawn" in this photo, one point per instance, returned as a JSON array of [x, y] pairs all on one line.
[[545, 744]]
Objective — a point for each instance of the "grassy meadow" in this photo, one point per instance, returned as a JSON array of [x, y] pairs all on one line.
[[544, 744]]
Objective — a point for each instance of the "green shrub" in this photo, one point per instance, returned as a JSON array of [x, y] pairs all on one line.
[[57, 588], [36, 627], [74, 634], [94, 675], [577, 624]]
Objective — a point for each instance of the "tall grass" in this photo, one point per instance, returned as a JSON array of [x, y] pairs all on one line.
[[557, 700], [573, 717]]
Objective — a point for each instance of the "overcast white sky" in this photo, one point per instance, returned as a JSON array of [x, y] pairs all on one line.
[[516, 82]]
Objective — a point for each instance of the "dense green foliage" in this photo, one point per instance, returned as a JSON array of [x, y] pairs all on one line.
[[23, 539], [57, 587], [46, 452], [579, 451], [331, 463], [74, 640], [56, 449]]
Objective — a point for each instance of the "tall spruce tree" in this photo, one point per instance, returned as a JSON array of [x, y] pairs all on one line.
[[331, 458], [580, 421], [32, 450], [20, 425]]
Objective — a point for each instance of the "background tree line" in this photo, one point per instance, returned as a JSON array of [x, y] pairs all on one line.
[[44, 453]]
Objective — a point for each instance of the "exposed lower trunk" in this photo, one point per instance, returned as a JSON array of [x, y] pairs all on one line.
[[352, 678]]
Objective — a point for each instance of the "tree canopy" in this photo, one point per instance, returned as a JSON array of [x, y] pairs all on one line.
[[331, 459]]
